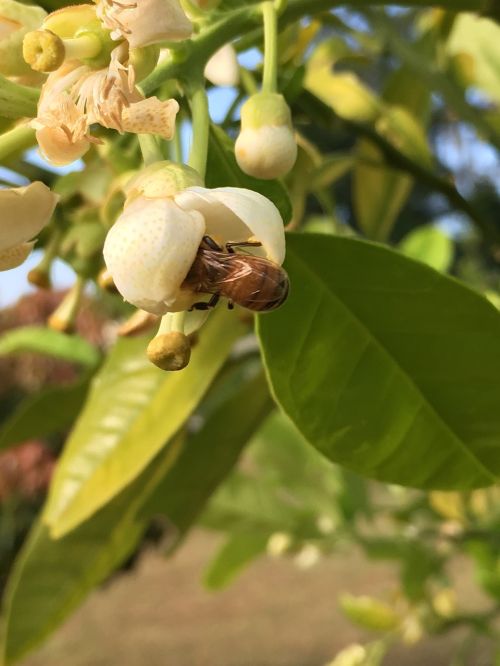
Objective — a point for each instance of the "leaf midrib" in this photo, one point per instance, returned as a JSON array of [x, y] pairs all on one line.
[[409, 380]]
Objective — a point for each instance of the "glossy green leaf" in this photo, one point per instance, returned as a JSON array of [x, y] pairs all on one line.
[[46, 412], [51, 343], [239, 550], [395, 369], [223, 171], [52, 577], [132, 411], [209, 455], [430, 245]]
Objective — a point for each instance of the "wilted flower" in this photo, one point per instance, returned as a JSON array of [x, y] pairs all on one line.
[[154, 242], [24, 211], [75, 96], [266, 146], [144, 22], [92, 79]]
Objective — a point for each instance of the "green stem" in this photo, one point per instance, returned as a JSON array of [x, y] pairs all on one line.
[[16, 140], [150, 149], [17, 101], [270, 76], [242, 21], [201, 128]]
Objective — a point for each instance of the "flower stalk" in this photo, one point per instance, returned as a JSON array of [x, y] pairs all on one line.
[[270, 76], [16, 140], [150, 149], [201, 128], [64, 317], [17, 101]]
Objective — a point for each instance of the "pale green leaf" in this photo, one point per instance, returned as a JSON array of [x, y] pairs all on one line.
[[51, 343], [133, 410], [430, 245]]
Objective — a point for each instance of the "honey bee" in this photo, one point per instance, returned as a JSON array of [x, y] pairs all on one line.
[[253, 282]]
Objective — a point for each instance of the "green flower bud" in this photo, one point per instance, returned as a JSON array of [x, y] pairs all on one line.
[[266, 147], [369, 613], [170, 351]]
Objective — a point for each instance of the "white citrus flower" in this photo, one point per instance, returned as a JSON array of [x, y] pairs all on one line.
[[154, 242], [144, 22], [24, 211], [266, 147], [222, 68], [75, 96]]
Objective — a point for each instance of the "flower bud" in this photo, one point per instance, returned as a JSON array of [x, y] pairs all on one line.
[[16, 20], [170, 351], [369, 613], [222, 68], [266, 147], [161, 180]]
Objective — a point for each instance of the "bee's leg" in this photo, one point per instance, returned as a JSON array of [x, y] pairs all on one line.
[[230, 305], [211, 244], [206, 305], [230, 246]]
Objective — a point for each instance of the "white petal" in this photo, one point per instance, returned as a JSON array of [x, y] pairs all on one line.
[[235, 214], [150, 250], [24, 211], [14, 256], [144, 22], [266, 152], [222, 68]]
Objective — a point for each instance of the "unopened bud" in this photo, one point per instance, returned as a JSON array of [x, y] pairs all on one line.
[[106, 282], [140, 322], [369, 613], [63, 319], [266, 147], [40, 277], [170, 351]]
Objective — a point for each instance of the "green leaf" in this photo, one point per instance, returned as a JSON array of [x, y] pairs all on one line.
[[393, 370], [209, 455], [238, 551], [132, 412], [51, 343], [430, 245], [39, 415], [52, 577], [223, 171]]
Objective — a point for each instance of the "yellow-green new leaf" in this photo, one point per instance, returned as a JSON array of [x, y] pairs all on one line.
[[133, 410]]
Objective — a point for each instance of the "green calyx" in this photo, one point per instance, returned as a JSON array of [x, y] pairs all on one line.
[[161, 180], [103, 45], [265, 109]]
